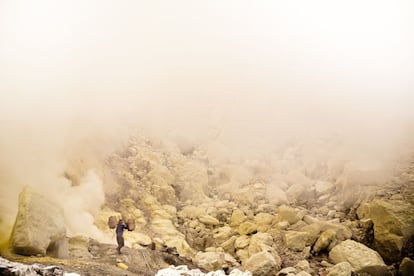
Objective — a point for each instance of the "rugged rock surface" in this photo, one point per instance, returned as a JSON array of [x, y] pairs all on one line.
[[357, 254], [393, 225], [262, 263], [39, 226], [288, 214], [183, 270], [406, 267], [8, 268]]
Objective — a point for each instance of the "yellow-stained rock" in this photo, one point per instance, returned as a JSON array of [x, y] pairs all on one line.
[[246, 228], [297, 240], [183, 248], [39, 224], [237, 217], [136, 238], [242, 242], [222, 234], [209, 220], [122, 265], [263, 221], [355, 253], [129, 210], [393, 224], [324, 241]]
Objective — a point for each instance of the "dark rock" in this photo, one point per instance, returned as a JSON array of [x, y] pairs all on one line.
[[406, 267], [375, 270]]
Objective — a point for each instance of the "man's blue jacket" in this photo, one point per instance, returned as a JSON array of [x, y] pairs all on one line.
[[120, 229]]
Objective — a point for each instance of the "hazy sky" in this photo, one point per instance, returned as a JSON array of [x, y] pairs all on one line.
[[185, 57], [261, 67]]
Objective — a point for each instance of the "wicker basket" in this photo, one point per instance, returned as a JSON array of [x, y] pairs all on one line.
[[112, 222], [130, 224]]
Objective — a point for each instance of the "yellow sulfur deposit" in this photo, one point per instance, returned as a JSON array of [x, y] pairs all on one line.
[[122, 265]]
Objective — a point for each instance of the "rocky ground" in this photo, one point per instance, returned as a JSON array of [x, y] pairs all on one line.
[[103, 259], [290, 212]]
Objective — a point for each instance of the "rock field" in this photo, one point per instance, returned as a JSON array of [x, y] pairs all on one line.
[[290, 212]]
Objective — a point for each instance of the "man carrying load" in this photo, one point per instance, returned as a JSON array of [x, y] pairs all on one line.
[[120, 234], [120, 227]]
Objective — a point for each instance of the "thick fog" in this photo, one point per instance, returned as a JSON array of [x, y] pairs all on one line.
[[77, 76]]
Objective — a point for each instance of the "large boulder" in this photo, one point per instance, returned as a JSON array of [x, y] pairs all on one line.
[[137, 238], [211, 261], [259, 242], [263, 221], [181, 245], [162, 225], [355, 253], [171, 236], [262, 263], [393, 225], [228, 245], [247, 228], [222, 234], [298, 240], [332, 233], [324, 241], [39, 225], [262, 242]]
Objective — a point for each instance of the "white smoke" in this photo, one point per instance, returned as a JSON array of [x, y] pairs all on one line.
[[81, 203]]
